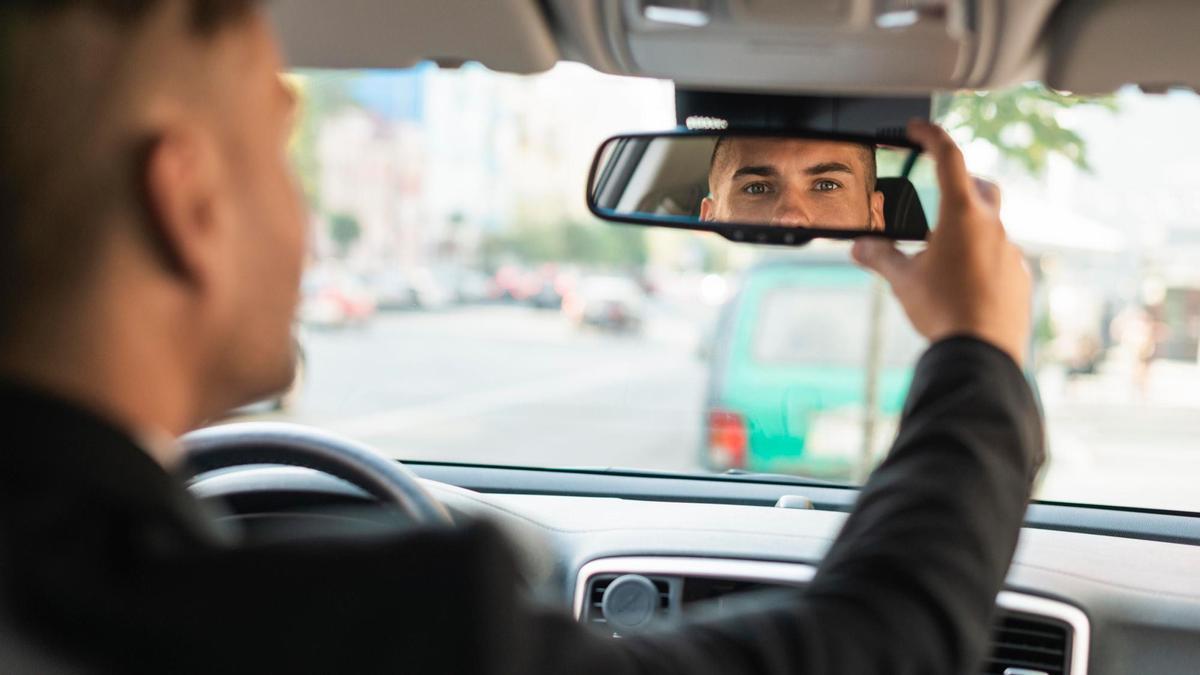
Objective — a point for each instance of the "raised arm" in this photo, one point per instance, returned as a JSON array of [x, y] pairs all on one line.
[[910, 584]]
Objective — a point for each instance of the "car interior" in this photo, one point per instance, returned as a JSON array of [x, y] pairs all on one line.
[[1094, 588]]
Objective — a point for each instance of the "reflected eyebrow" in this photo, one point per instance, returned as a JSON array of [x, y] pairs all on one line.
[[829, 167], [763, 170]]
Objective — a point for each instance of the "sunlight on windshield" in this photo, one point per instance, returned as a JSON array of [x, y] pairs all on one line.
[[462, 305]]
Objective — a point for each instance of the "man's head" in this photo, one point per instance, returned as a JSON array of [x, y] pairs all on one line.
[[143, 162], [793, 182]]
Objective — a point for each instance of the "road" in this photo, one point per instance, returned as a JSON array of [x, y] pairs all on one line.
[[509, 385], [1110, 444], [514, 385]]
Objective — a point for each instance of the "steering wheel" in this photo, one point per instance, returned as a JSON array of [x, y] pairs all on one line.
[[226, 446]]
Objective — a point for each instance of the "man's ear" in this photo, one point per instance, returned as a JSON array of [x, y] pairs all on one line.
[[182, 192], [877, 219], [707, 209]]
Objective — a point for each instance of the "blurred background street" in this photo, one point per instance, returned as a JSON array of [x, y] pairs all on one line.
[[461, 303], [428, 386]]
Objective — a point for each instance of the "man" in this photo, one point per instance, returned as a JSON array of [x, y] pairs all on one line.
[[793, 182], [152, 248]]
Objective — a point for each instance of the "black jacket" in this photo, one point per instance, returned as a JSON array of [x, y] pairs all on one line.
[[105, 558]]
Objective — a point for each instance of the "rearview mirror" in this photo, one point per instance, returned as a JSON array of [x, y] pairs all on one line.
[[762, 187]]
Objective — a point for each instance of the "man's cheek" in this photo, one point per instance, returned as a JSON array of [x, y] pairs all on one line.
[[841, 211], [758, 211], [300, 226]]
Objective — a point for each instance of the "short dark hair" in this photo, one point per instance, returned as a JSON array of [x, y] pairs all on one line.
[[868, 157], [62, 172], [206, 15]]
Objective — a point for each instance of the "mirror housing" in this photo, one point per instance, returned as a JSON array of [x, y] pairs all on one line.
[[761, 186]]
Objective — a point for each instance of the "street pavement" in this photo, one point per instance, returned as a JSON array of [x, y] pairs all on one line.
[[508, 385], [515, 385], [1110, 443]]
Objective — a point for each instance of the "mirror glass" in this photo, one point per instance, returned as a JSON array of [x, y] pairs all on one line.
[[761, 188]]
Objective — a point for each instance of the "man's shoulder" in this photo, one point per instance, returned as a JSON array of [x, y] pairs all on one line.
[[428, 600], [38, 421]]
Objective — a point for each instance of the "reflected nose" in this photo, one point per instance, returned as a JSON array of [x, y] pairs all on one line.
[[790, 211]]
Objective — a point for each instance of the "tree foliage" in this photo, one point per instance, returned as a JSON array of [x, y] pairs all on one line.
[[344, 230], [1022, 123]]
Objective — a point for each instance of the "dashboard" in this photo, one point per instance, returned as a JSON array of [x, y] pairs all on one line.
[[1031, 634], [1105, 595]]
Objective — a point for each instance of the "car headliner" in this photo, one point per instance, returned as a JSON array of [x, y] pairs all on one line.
[[1068, 44]]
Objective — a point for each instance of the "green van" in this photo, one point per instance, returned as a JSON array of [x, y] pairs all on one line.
[[797, 353]]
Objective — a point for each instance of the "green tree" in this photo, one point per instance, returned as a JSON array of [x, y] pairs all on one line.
[[344, 230], [1021, 122]]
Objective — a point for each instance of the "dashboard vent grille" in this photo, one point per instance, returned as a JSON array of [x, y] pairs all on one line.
[[599, 583], [1021, 642]]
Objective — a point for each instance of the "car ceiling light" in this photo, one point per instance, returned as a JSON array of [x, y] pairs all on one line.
[[676, 16], [899, 19], [705, 122], [899, 14]]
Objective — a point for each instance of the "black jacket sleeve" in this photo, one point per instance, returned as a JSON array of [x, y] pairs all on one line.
[[908, 587], [910, 584]]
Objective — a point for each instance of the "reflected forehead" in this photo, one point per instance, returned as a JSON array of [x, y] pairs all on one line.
[[777, 151]]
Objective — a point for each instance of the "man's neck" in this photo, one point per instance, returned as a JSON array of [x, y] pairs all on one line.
[[107, 360]]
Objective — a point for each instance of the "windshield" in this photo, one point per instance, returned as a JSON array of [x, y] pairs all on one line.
[[462, 305], [822, 327]]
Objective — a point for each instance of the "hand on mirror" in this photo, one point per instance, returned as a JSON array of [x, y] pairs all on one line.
[[969, 280]]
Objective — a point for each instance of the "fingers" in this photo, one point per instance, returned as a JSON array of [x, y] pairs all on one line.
[[955, 182], [882, 257]]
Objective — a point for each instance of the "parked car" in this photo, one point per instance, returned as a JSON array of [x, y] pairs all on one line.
[[335, 300], [393, 291], [400, 288], [467, 286], [613, 303], [787, 389], [514, 283]]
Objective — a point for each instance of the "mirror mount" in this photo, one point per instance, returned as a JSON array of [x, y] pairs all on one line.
[[883, 118]]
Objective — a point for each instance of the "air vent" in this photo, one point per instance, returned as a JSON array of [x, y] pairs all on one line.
[[1026, 643], [599, 583], [1031, 634]]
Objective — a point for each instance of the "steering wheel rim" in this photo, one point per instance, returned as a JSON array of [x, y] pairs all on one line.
[[244, 443]]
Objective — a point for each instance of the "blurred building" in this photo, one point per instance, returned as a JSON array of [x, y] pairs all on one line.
[[429, 160]]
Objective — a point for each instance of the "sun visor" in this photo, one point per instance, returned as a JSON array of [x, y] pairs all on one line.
[[1101, 45], [505, 35]]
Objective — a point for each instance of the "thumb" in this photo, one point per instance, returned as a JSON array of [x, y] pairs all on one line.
[[881, 256]]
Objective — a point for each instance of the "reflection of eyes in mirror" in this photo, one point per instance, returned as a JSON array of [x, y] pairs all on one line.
[[829, 187], [793, 182]]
